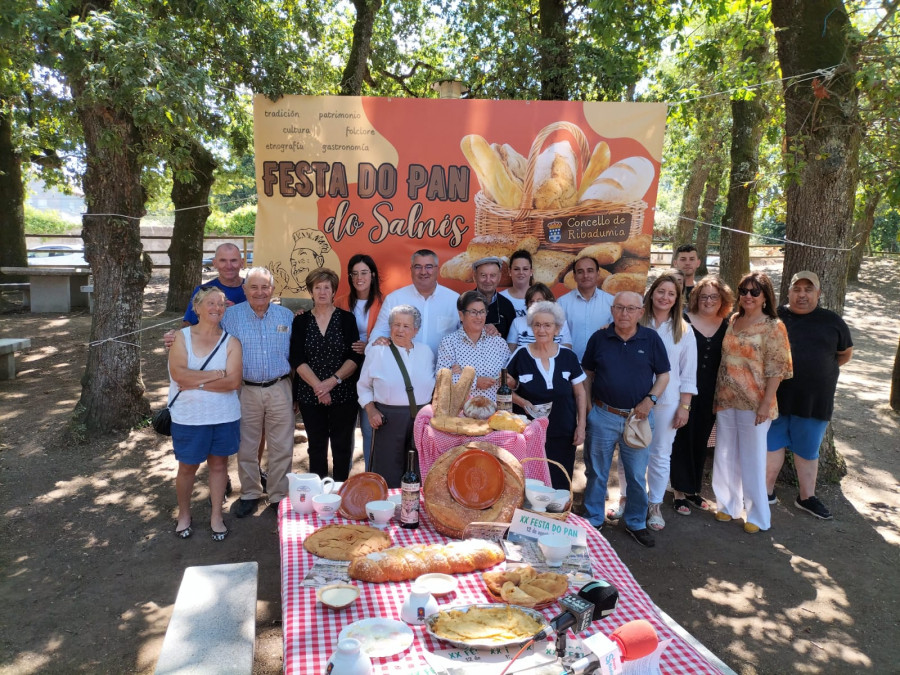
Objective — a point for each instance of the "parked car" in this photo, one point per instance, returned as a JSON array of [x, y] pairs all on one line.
[[57, 255]]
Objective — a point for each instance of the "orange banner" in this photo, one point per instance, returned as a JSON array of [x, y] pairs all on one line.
[[343, 175]]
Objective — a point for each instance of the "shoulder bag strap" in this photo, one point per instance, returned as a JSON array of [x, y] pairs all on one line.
[[413, 408], [205, 363]]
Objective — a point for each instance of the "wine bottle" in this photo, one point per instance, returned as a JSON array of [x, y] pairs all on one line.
[[410, 485], [504, 393]]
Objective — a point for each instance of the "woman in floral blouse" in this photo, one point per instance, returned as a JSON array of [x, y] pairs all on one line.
[[756, 357]]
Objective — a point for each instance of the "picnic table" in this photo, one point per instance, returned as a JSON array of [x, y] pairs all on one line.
[[54, 289], [311, 630]]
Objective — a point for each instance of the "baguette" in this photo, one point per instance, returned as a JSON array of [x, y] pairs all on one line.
[[440, 402], [460, 391], [500, 245], [405, 564], [516, 163], [598, 164], [459, 268], [625, 181], [495, 178]]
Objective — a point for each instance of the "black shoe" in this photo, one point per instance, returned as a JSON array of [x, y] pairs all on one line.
[[185, 533], [219, 536], [599, 527], [246, 507], [228, 488], [263, 478], [814, 506], [773, 499], [642, 536]]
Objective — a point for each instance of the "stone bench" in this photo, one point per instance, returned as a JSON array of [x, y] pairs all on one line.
[[8, 348], [213, 624], [54, 289], [22, 287]]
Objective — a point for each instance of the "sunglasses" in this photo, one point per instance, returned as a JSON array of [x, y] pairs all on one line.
[[755, 292]]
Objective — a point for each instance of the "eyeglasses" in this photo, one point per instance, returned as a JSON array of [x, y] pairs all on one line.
[[361, 273], [476, 312], [709, 298], [752, 291], [424, 268], [623, 308]]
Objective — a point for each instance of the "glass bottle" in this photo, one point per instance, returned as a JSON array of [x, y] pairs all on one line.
[[504, 393], [410, 486]]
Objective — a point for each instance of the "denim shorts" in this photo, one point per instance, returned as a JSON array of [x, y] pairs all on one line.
[[194, 443], [800, 435]]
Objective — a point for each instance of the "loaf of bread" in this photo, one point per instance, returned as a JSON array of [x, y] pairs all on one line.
[[616, 283], [638, 247], [554, 177], [500, 245], [631, 265], [598, 164], [345, 542], [460, 391], [516, 163], [404, 564], [495, 177], [443, 392], [479, 408], [549, 266], [625, 181], [459, 268], [503, 420], [605, 253], [460, 426]]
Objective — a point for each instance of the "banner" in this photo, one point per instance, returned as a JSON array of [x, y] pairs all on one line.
[[338, 176]]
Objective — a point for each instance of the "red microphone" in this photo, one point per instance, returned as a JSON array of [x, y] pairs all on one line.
[[630, 641]]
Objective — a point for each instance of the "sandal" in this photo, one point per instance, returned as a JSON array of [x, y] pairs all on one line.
[[618, 512], [185, 533], [655, 520], [682, 507], [697, 501], [219, 536]]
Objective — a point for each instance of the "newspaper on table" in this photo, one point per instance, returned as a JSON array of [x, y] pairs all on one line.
[[521, 544], [324, 572]]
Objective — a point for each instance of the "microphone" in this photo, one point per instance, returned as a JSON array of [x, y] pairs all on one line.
[[631, 641], [596, 600]]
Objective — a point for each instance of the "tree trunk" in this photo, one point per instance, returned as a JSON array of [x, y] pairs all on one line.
[[554, 51], [186, 246], [13, 252], [707, 213], [357, 63], [746, 134], [112, 394], [690, 202], [822, 135], [861, 232], [895, 382]]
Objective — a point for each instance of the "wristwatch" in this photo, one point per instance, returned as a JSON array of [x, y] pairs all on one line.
[[652, 398], [686, 406], [335, 376]]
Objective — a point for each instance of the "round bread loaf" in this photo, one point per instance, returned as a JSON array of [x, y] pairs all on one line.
[[345, 542]]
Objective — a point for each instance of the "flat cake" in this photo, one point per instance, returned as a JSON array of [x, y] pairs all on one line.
[[345, 542]]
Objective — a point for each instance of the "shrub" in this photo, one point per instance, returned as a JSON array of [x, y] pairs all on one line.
[[48, 222], [241, 221]]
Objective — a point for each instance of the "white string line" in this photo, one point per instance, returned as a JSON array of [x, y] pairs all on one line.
[[165, 211], [825, 73], [141, 330], [761, 236]]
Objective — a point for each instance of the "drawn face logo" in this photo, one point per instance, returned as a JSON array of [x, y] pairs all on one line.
[[304, 261]]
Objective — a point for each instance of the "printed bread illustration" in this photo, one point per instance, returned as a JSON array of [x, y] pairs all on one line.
[[554, 177], [495, 177], [625, 181]]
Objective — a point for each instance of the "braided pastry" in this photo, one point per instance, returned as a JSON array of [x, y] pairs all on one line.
[[404, 564]]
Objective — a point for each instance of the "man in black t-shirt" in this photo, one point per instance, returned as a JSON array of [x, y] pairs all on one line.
[[820, 345]]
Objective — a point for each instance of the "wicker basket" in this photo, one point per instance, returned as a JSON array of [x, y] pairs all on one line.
[[491, 218], [564, 514]]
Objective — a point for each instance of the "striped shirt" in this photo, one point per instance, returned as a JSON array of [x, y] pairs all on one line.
[[266, 342]]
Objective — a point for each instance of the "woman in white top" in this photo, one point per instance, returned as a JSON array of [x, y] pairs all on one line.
[[206, 417], [520, 332], [520, 273], [663, 313], [383, 397]]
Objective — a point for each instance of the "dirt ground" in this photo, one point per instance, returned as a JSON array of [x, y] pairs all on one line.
[[89, 568]]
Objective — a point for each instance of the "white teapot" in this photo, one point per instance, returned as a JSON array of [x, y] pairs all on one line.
[[303, 487]]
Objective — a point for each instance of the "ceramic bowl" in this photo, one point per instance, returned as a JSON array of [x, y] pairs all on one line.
[[533, 482], [380, 513], [559, 501], [337, 596], [555, 548], [539, 496], [326, 506], [437, 583]]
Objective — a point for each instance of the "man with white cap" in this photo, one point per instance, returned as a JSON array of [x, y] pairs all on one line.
[[820, 345], [500, 311]]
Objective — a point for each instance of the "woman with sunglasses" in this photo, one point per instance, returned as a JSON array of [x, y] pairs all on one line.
[[364, 302], [710, 304], [756, 357]]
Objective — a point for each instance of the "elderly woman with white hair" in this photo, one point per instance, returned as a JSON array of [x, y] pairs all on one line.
[[546, 372], [384, 392]]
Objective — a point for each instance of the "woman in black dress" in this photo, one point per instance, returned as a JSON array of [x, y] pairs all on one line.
[[322, 355], [711, 302]]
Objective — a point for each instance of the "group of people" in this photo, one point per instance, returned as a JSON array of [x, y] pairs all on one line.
[[596, 359]]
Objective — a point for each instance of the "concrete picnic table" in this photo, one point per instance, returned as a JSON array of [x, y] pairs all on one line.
[[54, 289]]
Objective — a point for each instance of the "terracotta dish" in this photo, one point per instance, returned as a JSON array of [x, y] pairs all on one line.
[[475, 479], [359, 490]]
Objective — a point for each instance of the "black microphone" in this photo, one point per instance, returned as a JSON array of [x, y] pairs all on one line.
[[596, 600]]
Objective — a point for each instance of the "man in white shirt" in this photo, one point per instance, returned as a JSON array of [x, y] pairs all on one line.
[[436, 304], [587, 308]]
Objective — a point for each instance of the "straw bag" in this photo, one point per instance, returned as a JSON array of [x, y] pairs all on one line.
[[563, 515], [547, 224]]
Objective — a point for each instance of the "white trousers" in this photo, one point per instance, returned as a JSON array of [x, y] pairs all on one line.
[[739, 468], [660, 454]]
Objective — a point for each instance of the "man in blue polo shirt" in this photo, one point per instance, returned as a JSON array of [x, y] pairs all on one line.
[[228, 263], [629, 368]]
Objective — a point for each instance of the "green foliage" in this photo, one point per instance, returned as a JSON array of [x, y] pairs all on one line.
[[48, 222], [240, 221], [885, 234]]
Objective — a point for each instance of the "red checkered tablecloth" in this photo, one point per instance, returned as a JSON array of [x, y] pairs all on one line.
[[311, 630], [432, 443]]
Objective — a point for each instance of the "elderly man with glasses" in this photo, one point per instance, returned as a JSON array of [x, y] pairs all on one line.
[[630, 369], [436, 304]]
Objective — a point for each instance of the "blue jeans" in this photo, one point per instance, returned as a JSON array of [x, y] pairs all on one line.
[[604, 430]]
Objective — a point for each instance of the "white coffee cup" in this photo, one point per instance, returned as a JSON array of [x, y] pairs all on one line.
[[539, 496], [555, 548], [326, 506], [380, 513]]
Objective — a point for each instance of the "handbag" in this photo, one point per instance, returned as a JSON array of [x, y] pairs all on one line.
[[161, 421], [637, 433]]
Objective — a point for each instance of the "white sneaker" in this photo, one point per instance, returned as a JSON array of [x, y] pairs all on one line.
[[618, 512], [655, 520]]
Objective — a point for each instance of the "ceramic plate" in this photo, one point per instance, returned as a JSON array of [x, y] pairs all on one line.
[[429, 621], [475, 479], [359, 490], [379, 637], [438, 584]]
